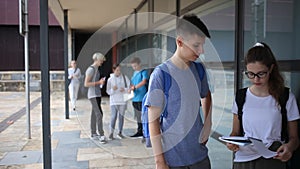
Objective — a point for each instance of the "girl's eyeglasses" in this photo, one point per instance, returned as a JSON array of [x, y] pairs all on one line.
[[252, 75]]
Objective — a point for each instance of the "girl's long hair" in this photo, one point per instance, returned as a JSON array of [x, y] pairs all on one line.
[[262, 53]]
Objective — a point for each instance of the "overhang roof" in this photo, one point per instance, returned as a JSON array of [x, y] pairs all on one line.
[[90, 15]]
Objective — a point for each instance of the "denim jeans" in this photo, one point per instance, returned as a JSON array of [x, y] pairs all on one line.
[[117, 111]]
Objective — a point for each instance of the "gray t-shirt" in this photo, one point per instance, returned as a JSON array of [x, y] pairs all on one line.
[[93, 91]]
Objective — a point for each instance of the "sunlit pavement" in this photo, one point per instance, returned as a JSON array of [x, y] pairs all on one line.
[[71, 145]]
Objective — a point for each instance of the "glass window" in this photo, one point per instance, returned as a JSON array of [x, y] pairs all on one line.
[[144, 8], [186, 3], [219, 16], [165, 6], [280, 30]]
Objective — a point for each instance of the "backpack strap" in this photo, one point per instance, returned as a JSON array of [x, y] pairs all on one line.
[[124, 80], [240, 99], [167, 85], [75, 70], [282, 102], [141, 74], [200, 69]]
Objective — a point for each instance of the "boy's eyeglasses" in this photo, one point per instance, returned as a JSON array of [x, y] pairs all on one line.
[[252, 75]]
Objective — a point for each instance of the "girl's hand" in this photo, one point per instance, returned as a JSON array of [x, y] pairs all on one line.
[[283, 153], [115, 87], [232, 147]]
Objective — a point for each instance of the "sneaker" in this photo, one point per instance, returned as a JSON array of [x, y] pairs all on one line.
[[95, 137], [111, 136], [102, 139], [138, 134], [120, 136]]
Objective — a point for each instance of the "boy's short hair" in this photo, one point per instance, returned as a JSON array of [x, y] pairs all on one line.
[[98, 56], [191, 24], [115, 66], [135, 60]]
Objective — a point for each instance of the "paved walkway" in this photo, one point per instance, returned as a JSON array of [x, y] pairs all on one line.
[[71, 146]]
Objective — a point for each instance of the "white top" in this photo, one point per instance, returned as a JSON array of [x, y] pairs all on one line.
[[116, 96], [75, 79], [262, 120]]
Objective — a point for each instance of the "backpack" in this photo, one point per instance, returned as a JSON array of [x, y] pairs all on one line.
[[240, 100], [167, 80]]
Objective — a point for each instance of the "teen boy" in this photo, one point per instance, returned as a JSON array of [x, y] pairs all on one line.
[[179, 141]]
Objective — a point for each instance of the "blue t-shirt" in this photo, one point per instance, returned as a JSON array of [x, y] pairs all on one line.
[[183, 124], [140, 92]]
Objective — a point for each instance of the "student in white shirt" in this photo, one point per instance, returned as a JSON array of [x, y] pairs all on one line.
[[262, 116], [118, 84], [74, 75]]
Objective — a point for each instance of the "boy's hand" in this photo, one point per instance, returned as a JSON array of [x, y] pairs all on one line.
[[162, 166]]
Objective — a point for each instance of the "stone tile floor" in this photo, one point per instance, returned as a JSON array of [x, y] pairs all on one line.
[[71, 146]]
